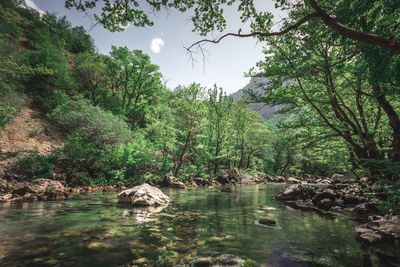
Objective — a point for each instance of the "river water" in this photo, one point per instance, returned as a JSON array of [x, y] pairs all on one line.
[[92, 230]]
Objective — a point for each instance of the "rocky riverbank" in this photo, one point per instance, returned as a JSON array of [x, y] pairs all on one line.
[[56, 189], [379, 232]]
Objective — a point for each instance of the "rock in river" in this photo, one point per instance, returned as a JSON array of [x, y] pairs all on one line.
[[267, 222], [223, 260], [143, 195]]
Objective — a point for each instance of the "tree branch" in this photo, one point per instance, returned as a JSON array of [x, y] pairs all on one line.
[[258, 34], [350, 33]]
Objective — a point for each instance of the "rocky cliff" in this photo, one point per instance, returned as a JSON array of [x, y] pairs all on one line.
[[256, 86]]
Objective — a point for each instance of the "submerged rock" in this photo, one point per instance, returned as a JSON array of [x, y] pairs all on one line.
[[143, 195], [226, 189], [267, 208], [267, 222], [223, 260]]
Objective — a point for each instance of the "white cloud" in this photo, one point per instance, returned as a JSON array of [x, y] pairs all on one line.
[[31, 4], [156, 44]]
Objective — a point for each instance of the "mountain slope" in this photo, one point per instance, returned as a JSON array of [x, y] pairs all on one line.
[[257, 85]]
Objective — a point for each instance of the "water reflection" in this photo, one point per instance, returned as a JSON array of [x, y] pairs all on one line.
[[141, 214], [91, 230]]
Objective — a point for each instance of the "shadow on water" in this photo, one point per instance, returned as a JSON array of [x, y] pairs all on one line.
[[92, 230]]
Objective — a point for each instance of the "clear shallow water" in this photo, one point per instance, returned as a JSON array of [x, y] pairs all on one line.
[[91, 230]]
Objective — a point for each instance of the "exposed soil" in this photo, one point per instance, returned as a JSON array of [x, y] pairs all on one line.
[[29, 132]]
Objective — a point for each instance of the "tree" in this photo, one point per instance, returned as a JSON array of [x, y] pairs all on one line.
[[243, 120], [220, 109], [90, 73], [189, 113], [136, 80], [208, 16], [329, 91]]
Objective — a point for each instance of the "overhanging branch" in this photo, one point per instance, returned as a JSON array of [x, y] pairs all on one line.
[[257, 34], [347, 32]]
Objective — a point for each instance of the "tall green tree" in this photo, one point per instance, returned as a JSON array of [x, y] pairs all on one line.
[[220, 110], [135, 79], [190, 117]]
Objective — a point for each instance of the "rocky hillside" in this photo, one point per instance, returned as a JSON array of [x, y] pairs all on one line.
[[257, 85]]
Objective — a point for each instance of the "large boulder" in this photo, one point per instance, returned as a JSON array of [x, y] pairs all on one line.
[[143, 195], [297, 192]]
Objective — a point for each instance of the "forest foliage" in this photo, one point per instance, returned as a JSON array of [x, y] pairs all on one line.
[[122, 123]]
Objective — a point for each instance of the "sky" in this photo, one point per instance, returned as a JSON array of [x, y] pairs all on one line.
[[226, 62]]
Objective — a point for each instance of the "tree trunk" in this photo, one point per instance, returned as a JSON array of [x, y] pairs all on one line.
[[180, 161], [394, 122], [217, 154], [241, 163]]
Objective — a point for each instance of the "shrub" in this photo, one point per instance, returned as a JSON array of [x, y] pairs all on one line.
[[391, 204], [6, 114], [38, 166], [131, 161], [100, 127]]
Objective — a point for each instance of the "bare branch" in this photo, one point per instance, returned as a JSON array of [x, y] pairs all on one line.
[[256, 34]]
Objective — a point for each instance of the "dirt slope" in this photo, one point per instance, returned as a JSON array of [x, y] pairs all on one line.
[[29, 132]]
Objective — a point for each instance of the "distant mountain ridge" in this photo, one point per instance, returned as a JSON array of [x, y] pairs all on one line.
[[257, 85]]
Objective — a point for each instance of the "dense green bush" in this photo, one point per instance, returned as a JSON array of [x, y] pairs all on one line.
[[81, 159], [126, 163], [38, 166], [101, 127], [135, 158]]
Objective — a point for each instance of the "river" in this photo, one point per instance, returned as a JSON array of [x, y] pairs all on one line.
[[92, 230]]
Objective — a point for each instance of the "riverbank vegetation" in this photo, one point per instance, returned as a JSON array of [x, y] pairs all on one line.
[[122, 124]]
